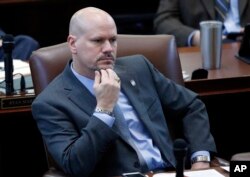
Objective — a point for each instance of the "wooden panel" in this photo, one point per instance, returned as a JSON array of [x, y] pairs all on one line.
[[232, 77]]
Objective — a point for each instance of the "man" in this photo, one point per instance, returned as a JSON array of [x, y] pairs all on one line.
[[182, 17], [100, 118], [24, 45]]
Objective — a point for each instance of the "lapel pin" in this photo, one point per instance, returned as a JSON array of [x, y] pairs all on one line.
[[132, 82]]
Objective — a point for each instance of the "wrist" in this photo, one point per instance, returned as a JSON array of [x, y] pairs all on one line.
[[200, 158], [105, 111]]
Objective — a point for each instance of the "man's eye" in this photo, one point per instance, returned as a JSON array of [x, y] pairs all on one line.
[[98, 40], [113, 40]]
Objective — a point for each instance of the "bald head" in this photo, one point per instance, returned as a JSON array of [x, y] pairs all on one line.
[[85, 18]]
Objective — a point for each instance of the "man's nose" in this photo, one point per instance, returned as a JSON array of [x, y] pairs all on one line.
[[108, 46]]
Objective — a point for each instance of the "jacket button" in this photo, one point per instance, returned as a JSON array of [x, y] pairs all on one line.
[[137, 165]]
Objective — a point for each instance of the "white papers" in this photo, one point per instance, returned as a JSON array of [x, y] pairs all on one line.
[[199, 173], [227, 168], [19, 67], [185, 75]]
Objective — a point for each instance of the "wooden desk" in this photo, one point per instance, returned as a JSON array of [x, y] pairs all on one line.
[[224, 93], [233, 77]]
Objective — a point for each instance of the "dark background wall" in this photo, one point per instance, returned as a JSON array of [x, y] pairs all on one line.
[[47, 20]]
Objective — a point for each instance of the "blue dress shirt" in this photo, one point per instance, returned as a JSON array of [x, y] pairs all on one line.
[[232, 21], [140, 136]]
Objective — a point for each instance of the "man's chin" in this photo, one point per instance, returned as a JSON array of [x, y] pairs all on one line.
[[106, 67]]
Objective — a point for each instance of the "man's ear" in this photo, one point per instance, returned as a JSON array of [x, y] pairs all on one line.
[[71, 43]]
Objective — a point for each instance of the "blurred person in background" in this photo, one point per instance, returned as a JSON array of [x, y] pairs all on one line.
[[181, 18], [24, 45]]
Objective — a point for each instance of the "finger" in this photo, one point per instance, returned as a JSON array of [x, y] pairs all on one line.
[[104, 75], [97, 78], [112, 74]]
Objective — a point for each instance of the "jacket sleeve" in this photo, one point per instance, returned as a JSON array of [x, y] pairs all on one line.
[[181, 103], [76, 150]]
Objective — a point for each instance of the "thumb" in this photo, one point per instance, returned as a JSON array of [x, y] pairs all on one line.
[[97, 78]]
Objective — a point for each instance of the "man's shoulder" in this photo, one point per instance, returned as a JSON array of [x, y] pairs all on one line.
[[53, 87], [131, 58]]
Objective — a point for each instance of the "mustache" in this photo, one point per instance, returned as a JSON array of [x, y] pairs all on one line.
[[104, 57]]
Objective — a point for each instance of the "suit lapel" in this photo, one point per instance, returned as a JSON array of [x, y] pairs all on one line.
[[209, 7], [242, 4], [87, 99], [78, 93], [130, 87]]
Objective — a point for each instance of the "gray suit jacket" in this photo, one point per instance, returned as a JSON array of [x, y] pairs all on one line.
[[85, 146], [182, 17]]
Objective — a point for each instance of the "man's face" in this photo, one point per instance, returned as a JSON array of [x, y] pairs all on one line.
[[96, 48]]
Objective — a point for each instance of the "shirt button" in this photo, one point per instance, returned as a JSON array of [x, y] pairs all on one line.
[[137, 165]]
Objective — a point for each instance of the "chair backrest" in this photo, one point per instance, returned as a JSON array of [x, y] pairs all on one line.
[[48, 62]]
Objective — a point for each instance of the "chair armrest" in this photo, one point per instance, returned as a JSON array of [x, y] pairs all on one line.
[[217, 161]]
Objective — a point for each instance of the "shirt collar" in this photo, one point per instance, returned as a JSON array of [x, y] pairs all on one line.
[[88, 83]]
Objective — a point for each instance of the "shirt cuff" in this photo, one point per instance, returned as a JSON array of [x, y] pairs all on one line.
[[200, 153], [189, 42], [107, 119]]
